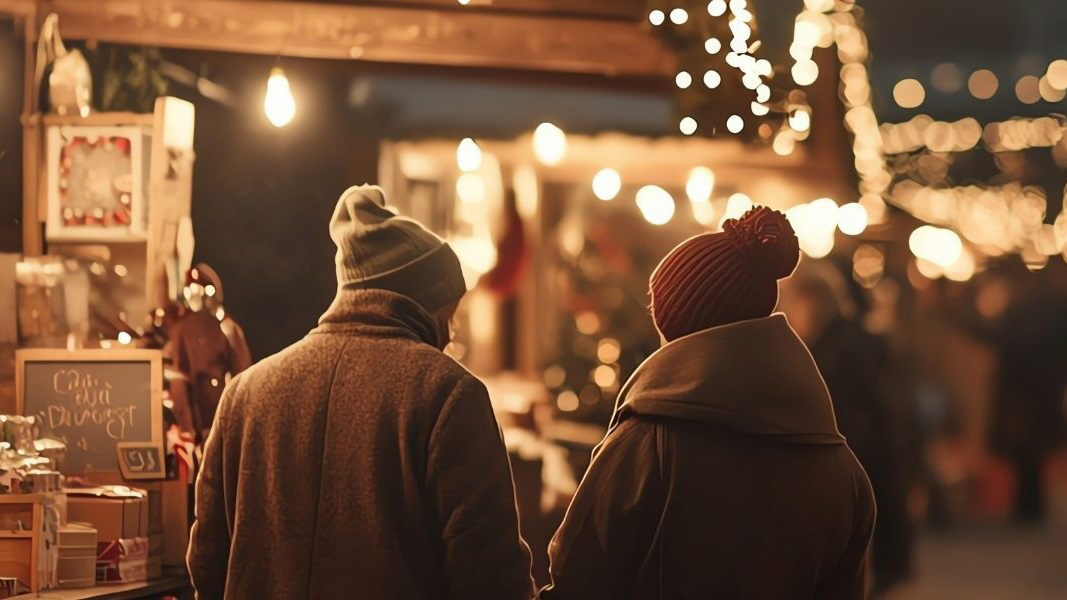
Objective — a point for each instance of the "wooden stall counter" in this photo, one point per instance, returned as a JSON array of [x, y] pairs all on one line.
[[172, 584]]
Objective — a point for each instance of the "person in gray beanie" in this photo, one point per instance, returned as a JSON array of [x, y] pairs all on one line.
[[362, 462]]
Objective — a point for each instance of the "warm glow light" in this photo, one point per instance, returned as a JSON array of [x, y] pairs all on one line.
[[800, 121], [125, 338], [608, 351], [550, 144], [852, 218], [683, 79], [606, 184], [656, 17], [760, 110], [763, 93], [909, 93], [983, 84], [604, 376], [941, 247], [679, 16], [735, 124], [819, 5], [784, 143], [717, 8], [688, 126], [700, 184], [278, 104], [468, 155], [568, 401], [805, 72], [470, 187], [712, 45], [656, 204], [1057, 74], [737, 205], [464, 2], [712, 79], [1028, 89], [1049, 92], [823, 213], [704, 213]]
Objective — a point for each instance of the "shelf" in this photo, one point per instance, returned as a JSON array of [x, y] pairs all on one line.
[[97, 119], [7, 535]]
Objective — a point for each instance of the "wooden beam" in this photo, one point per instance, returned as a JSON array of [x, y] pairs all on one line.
[[633, 10], [372, 33], [18, 8]]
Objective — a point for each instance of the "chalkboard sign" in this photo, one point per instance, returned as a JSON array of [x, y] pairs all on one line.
[[92, 400]]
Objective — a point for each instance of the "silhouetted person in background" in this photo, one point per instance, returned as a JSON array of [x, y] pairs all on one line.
[[723, 474], [852, 363], [362, 462], [1030, 421]]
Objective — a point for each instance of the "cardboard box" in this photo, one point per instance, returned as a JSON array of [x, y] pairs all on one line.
[[176, 521], [113, 518]]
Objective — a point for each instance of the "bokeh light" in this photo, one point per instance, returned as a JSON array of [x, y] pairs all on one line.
[[656, 204], [606, 184], [983, 84], [550, 144], [909, 93]]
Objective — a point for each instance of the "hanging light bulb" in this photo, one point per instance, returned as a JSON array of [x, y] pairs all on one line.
[[550, 144], [278, 104], [468, 156]]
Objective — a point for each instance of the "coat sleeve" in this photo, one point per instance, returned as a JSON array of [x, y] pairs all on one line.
[[471, 493], [849, 580], [209, 542], [610, 526]]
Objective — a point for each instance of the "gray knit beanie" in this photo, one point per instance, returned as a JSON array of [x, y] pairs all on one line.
[[376, 249]]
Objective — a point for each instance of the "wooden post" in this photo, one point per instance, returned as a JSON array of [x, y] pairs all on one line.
[[32, 136]]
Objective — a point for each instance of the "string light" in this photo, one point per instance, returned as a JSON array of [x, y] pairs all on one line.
[[760, 110], [909, 93], [278, 104], [468, 155], [550, 144], [656, 17], [983, 84], [735, 124], [712, 45], [606, 184], [679, 16], [683, 79], [700, 184], [852, 219], [712, 79], [1057, 74], [656, 204], [1028, 89], [800, 121], [805, 72], [717, 8], [688, 126]]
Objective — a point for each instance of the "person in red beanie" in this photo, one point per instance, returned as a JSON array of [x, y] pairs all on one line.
[[723, 474]]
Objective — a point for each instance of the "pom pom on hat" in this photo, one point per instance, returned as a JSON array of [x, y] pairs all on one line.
[[719, 278], [767, 241]]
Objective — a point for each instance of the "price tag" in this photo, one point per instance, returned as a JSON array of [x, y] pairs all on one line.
[[140, 461]]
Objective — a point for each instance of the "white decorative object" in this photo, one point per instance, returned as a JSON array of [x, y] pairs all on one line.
[[97, 183]]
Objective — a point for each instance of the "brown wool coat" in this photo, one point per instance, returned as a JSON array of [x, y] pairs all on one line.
[[360, 462], [723, 476]]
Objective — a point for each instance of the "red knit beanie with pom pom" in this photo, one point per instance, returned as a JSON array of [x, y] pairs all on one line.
[[719, 278]]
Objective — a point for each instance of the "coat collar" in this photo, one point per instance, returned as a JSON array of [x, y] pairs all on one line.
[[380, 313], [754, 376]]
